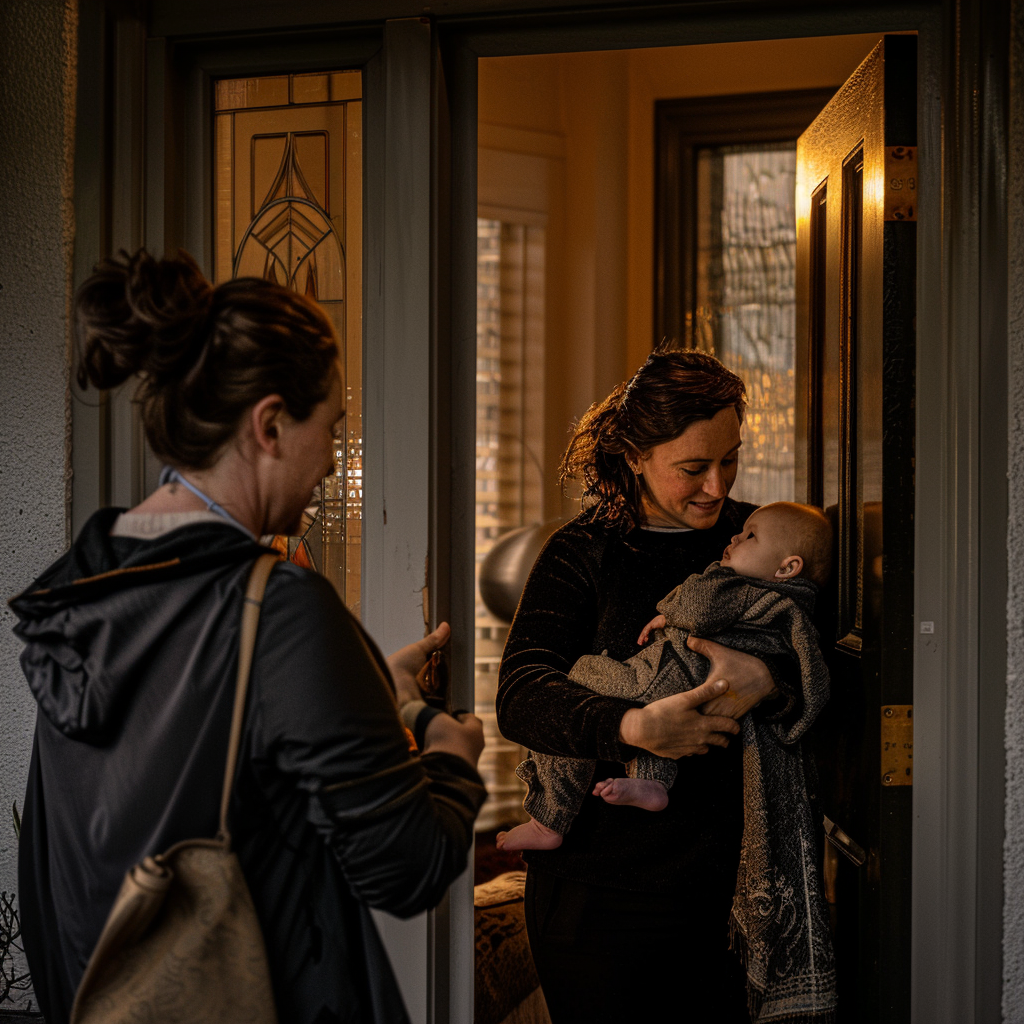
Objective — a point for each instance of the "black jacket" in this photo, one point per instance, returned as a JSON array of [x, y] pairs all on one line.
[[131, 653]]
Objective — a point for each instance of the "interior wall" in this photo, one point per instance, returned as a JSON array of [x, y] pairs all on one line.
[[37, 74], [587, 357], [600, 106]]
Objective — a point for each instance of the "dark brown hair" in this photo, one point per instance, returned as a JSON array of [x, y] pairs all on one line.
[[668, 393], [204, 354]]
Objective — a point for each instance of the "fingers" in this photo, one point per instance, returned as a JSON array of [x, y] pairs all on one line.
[[658, 622], [713, 738], [719, 724], [472, 725], [463, 736], [439, 637], [433, 641], [413, 656], [708, 648], [707, 690]]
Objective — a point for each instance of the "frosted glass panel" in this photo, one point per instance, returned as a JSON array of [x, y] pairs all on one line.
[[745, 298], [288, 194]]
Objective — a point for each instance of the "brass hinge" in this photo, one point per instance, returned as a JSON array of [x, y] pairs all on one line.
[[897, 744], [901, 183]]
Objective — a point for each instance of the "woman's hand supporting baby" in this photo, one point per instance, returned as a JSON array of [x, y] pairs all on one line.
[[736, 683], [749, 681], [676, 727], [696, 720]]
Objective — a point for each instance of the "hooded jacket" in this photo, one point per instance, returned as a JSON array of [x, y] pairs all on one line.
[[131, 654]]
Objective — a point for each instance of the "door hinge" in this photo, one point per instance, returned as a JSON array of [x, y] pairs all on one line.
[[901, 183], [897, 744]]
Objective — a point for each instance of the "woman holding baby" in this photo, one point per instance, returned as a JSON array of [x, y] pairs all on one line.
[[628, 913]]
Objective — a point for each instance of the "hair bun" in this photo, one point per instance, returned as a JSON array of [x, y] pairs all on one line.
[[205, 355], [137, 314]]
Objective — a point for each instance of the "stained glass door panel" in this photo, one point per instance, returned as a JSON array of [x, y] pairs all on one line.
[[288, 194], [745, 299]]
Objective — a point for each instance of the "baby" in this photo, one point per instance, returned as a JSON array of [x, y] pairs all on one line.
[[758, 599]]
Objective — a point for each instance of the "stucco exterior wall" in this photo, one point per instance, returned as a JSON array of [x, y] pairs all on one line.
[[1013, 869], [37, 77]]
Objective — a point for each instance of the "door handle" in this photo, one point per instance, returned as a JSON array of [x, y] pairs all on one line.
[[850, 849]]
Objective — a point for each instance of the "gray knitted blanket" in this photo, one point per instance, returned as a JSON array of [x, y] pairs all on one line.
[[779, 921]]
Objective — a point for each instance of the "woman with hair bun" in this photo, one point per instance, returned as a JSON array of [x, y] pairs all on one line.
[[132, 647], [628, 917]]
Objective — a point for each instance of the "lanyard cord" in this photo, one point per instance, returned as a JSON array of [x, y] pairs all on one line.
[[170, 475]]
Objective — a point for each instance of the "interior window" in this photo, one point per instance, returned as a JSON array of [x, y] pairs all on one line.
[[509, 477], [725, 257], [745, 309], [288, 195]]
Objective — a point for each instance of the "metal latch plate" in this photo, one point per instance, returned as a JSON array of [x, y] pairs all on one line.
[[898, 745]]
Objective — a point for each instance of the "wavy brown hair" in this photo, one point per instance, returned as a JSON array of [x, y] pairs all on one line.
[[668, 393], [203, 354]]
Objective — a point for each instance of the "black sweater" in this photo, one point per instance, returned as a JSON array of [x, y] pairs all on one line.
[[592, 589], [132, 648]]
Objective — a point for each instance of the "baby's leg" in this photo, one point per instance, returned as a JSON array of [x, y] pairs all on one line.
[[650, 767], [556, 787], [650, 779], [647, 794], [530, 836]]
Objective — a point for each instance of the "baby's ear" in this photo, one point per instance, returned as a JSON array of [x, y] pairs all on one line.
[[792, 565]]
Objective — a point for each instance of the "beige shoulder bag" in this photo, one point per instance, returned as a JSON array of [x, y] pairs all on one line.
[[182, 942]]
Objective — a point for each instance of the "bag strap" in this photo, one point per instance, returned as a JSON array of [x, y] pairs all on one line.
[[247, 641]]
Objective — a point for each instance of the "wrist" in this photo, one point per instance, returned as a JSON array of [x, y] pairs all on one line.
[[631, 728], [769, 688], [417, 716], [406, 689]]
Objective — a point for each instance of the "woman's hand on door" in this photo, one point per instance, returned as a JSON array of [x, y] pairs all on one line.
[[462, 736], [408, 664], [749, 681]]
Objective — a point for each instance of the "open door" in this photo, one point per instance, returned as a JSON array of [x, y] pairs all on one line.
[[856, 269]]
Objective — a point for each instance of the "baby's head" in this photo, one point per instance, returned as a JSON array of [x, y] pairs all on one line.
[[782, 541]]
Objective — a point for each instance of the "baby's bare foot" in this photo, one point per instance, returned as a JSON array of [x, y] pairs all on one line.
[[530, 836], [647, 794]]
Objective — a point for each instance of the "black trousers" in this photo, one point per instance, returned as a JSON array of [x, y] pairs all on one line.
[[615, 956]]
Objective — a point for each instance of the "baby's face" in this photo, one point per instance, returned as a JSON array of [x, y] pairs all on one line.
[[760, 548]]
